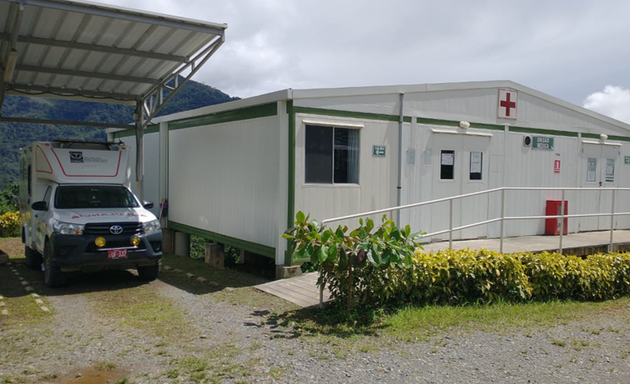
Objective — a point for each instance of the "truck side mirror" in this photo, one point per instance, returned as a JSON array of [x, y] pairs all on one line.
[[39, 206], [147, 204]]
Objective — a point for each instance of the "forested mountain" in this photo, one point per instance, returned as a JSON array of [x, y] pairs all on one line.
[[15, 136]]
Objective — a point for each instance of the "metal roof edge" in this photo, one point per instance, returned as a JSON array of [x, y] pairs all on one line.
[[397, 89], [266, 98], [573, 107], [125, 13], [453, 86]]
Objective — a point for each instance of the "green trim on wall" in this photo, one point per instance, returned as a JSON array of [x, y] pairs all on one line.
[[610, 137], [264, 110], [493, 127], [356, 115], [288, 257], [248, 246], [618, 138], [543, 131], [153, 128]]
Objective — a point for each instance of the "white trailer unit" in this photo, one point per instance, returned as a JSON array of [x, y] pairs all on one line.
[[236, 173], [78, 214]]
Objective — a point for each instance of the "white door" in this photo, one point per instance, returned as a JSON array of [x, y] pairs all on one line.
[[599, 166], [460, 167]]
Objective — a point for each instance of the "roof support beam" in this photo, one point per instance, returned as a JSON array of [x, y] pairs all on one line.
[[62, 122], [8, 54], [32, 90], [94, 75], [96, 48], [155, 100]]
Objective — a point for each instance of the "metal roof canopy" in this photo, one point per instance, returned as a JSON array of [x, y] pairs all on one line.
[[92, 52]]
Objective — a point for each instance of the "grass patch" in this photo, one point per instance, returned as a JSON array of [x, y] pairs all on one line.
[[145, 309], [240, 286], [414, 324], [22, 309], [214, 367], [12, 246]]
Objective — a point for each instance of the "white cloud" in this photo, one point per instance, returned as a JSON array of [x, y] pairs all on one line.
[[613, 101], [270, 45]]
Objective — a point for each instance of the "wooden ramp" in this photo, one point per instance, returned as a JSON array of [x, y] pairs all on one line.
[[301, 290]]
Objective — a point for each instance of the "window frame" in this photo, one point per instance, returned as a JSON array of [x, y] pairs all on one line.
[[333, 126]]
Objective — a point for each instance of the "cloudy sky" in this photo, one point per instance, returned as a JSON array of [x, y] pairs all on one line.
[[576, 50]]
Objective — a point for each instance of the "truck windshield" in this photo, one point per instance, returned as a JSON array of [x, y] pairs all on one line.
[[84, 196]]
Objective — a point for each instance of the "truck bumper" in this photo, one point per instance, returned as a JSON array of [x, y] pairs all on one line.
[[79, 253]]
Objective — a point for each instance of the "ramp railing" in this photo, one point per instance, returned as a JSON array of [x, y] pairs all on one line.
[[612, 213]]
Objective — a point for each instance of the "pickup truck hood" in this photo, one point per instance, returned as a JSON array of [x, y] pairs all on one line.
[[101, 215]]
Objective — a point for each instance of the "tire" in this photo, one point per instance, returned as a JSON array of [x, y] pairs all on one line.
[[53, 277], [149, 272], [33, 259]]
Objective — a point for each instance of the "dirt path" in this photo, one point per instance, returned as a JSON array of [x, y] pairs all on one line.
[[113, 328]]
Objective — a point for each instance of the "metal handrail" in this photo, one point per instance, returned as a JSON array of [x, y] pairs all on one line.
[[503, 217]]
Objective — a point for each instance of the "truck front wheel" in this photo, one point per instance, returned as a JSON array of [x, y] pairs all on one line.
[[149, 272], [33, 258], [53, 277]]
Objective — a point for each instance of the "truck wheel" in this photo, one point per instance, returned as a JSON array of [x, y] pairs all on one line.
[[149, 272], [33, 258], [53, 277]]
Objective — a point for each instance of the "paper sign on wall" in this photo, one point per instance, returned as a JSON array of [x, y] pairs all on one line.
[[448, 158], [556, 166]]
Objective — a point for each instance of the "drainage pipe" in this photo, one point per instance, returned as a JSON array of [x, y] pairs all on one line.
[[401, 119]]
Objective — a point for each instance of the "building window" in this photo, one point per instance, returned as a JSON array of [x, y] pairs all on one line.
[[591, 170], [332, 155], [610, 170], [476, 165], [447, 165]]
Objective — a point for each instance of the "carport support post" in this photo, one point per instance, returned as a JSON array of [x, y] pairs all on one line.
[[139, 117]]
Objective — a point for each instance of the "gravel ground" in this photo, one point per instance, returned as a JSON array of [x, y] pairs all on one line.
[[234, 343]]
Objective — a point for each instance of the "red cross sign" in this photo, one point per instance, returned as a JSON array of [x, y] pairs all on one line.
[[507, 104]]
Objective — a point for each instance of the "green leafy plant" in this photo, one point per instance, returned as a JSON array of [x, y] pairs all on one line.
[[10, 224], [347, 260]]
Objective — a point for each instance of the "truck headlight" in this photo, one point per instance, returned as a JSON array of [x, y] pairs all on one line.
[[151, 226], [68, 228]]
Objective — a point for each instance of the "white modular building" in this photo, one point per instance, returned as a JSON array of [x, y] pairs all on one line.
[[236, 173]]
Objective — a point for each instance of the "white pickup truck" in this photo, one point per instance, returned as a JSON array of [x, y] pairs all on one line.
[[78, 214]]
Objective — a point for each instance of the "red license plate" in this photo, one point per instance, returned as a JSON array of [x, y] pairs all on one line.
[[116, 253]]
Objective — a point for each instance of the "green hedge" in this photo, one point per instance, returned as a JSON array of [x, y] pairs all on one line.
[[465, 276], [384, 265], [10, 224]]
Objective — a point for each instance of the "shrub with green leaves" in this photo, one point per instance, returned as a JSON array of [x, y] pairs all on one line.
[[456, 277], [375, 266], [354, 265], [10, 224]]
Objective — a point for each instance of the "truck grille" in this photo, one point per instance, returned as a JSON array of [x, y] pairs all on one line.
[[102, 229]]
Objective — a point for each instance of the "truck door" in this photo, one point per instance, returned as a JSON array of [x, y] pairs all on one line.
[[40, 221]]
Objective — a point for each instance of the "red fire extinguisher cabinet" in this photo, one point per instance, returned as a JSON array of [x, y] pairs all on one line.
[[552, 226]]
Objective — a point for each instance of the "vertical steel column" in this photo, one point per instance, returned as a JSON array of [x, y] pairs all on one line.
[[502, 218], [139, 115], [450, 224], [401, 119], [561, 221], [612, 221]]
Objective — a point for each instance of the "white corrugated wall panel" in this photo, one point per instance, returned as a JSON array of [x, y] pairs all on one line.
[[224, 178], [377, 175]]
